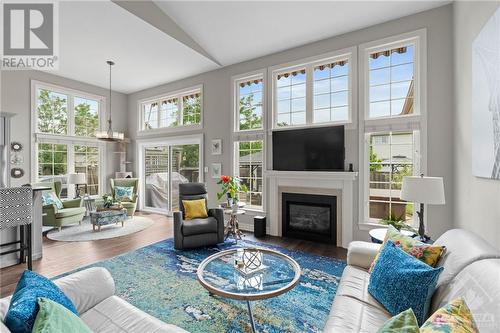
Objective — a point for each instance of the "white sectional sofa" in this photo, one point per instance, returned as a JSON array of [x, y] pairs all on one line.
[[92, 291], [471, 270]]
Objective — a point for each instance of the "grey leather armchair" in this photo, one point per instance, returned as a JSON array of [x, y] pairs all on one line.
[[197, 232]]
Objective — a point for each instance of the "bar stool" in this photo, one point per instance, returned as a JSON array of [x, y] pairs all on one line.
[[16, 210]]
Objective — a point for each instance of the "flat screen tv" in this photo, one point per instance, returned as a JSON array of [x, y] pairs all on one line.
[[312, 149]]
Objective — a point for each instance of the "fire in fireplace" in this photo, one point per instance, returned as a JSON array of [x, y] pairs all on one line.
[[309, 216]]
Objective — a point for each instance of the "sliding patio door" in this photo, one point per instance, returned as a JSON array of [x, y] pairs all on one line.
[[165, 165]]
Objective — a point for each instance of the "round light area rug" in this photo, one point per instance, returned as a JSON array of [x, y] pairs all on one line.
[[84, 232]]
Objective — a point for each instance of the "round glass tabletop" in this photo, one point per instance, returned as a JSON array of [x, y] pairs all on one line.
[[261, 273]]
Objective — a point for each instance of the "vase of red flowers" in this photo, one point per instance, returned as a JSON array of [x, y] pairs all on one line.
[[231, 186]]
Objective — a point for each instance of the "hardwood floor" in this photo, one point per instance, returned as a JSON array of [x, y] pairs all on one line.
[[61, 257]]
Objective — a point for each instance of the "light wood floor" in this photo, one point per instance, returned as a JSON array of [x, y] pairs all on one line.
[[61, 257]]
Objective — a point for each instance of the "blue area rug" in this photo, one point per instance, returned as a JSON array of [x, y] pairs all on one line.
[[162, 282]]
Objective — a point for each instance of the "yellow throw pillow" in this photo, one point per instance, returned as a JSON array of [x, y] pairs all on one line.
[[453, 317], [194, 209], [426, 253]]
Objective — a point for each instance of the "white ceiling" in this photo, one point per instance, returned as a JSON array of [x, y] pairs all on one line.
[[230, 32], [92, 32]]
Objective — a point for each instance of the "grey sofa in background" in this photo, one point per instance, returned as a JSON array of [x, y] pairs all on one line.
[[197, 232]]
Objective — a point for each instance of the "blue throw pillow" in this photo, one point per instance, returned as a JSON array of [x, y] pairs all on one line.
[[124, 193], [23, 306], [50, 197], [400, 282]]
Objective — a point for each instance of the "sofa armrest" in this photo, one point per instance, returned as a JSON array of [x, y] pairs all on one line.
[[87, 288], [72, 203], [50, 211], [218, 214], [178, 236], [362, 254]]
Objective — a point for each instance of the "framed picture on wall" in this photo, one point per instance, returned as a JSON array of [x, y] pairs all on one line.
[[216, 146], [216, 170]]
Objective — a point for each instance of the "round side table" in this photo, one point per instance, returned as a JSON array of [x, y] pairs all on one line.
[[232, 227], [378, 235]]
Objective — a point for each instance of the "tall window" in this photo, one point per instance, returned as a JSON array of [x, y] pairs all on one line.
[[176, 110], [65, 125], [291, 98], [249, 169], [391, 75], [315, 91], [86, 160], [394, 124], [53, 164], [331, 92], [249, 111], [391, 158]]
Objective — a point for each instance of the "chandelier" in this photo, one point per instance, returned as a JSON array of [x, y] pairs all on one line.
[[110, 135]]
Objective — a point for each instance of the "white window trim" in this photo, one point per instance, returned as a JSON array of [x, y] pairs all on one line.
[[158, 98], [143, 143], [253, 134], [235, 96], [416, 122], [69, 140], [350, 54]]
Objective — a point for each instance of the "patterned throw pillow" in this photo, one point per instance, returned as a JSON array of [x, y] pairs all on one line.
[[124, 193], [53, 317], [427, 253], [399, 282], [453, 317], [50, 198], [404, 322]]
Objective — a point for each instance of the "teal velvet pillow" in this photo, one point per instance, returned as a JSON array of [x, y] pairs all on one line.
[[55, 318], [50, 198], [23, 306], [124, 193], [400, 282]]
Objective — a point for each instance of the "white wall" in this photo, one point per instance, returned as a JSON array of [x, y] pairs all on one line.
[[218, 108], [476, 200], [16, 99]]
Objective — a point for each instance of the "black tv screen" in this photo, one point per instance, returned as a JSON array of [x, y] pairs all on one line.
[[312, 149]]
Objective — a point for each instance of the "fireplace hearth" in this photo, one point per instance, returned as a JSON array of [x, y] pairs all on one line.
[[309, 216]]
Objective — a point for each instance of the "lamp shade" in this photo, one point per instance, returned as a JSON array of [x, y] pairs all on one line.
[[77, 178], [426, 190]]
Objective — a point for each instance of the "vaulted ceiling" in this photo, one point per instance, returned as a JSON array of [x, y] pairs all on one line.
[[155, 42]]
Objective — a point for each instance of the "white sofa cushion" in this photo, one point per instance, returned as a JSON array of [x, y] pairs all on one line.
[[362, 254], [114, 315], [350, 315]]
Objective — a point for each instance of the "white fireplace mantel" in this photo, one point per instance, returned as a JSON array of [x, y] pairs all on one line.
[[321, 180]]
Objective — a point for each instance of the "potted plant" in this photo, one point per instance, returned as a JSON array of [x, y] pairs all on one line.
[[110, 203], [231, 186], [397, 222]]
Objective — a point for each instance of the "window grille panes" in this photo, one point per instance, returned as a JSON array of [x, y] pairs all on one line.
[[87, 162], [150, 114], [52, 111], [391, 82], [169, 113], [250, 161], [191, 109], [291, 98], [86, 116], [53, 164], [331, 92], [391, 158], [250, 104]]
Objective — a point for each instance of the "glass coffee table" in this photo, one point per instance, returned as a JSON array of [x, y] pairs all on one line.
[[220, 276]]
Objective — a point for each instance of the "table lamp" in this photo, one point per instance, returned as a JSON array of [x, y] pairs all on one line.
[[423, 190], [77, 179]]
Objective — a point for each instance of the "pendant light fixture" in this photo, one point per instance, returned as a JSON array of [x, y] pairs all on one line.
[[110, 135]]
